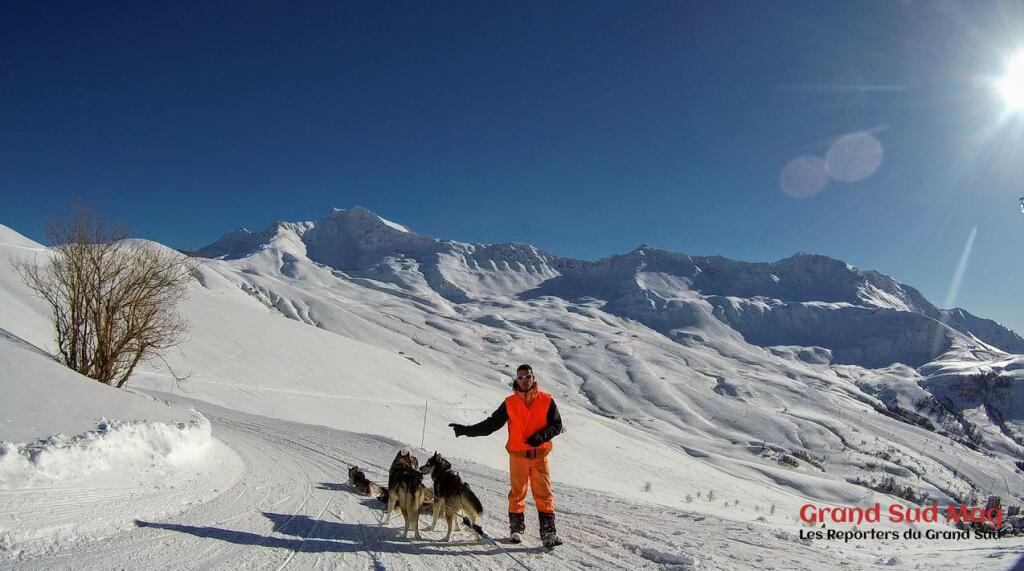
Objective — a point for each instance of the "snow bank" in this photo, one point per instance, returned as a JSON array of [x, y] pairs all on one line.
[[60, 491], [114, 446], [41, 397]]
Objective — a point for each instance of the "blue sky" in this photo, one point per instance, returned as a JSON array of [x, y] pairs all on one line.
[[586, 128]]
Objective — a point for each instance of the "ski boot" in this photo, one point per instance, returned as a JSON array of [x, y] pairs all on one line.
[[548, 535], [517, 525]]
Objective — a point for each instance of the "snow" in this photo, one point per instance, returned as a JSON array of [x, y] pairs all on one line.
[[671, 559], [67, 474], [676, 375], [394, 225], [62, 492], [111, 446], [79, 459], [12, 239], [41, 397], [291, 509]]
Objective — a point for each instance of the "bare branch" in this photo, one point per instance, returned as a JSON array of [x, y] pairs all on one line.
[[113, 300]]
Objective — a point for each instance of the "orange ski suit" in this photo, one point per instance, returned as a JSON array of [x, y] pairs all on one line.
[[528, 465], [530, 417]]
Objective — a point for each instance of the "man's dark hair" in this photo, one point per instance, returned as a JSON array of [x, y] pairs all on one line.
[[524, 368]]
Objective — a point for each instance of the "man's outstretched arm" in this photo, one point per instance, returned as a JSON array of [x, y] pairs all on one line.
[[492, 423]]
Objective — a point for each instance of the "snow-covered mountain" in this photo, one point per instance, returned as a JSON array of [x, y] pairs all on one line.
[[772, 384], [635, 336], [362, 243], [862, 317]]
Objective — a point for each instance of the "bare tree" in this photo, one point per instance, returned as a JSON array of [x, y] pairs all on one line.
[[113, 300]]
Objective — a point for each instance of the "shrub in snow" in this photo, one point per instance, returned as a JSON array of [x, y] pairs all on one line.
[[789, 460], [112, 300], [806, 456], [889, 485]]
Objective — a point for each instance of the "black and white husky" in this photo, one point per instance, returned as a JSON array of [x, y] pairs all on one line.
[[451, 494], [406, 491]]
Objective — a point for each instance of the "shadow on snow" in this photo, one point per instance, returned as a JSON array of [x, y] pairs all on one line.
[[335, 487], [310, 535]]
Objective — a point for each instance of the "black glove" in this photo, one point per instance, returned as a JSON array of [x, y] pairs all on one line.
[[460, 429], [535, 440]]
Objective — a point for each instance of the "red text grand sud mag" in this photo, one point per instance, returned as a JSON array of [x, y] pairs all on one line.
[[900, 513]]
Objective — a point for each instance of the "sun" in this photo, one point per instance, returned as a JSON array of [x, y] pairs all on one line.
[[1011, 85]]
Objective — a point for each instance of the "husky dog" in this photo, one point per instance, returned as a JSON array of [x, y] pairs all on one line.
[[406, 491], [451, 494], [425, 507], [357, 479]]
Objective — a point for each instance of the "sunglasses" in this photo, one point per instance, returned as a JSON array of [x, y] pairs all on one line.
[[524, 377]]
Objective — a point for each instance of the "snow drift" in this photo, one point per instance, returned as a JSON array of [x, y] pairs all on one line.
[[116, 447]]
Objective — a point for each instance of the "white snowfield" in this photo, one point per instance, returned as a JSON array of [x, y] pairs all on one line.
[[677, 377], [291, 509], [113, 444], [68, 475]]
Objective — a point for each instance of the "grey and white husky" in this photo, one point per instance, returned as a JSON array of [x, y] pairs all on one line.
[[451, 494]]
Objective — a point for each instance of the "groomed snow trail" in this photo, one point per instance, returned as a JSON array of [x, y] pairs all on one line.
[[291, 509]]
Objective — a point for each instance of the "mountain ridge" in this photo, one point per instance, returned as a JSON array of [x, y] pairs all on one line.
[[361, 242]]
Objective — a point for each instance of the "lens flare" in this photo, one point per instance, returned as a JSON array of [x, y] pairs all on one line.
[[804, 177], [1011, 85], [954, 288], [854, 157]]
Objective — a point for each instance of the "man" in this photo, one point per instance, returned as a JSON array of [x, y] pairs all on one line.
[[533, 420]]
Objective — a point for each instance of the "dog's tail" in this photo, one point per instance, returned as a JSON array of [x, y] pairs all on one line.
[[413, 499], [421, 497], [470, 502]]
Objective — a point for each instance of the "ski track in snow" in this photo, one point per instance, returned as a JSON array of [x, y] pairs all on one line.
[[291, 509]]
